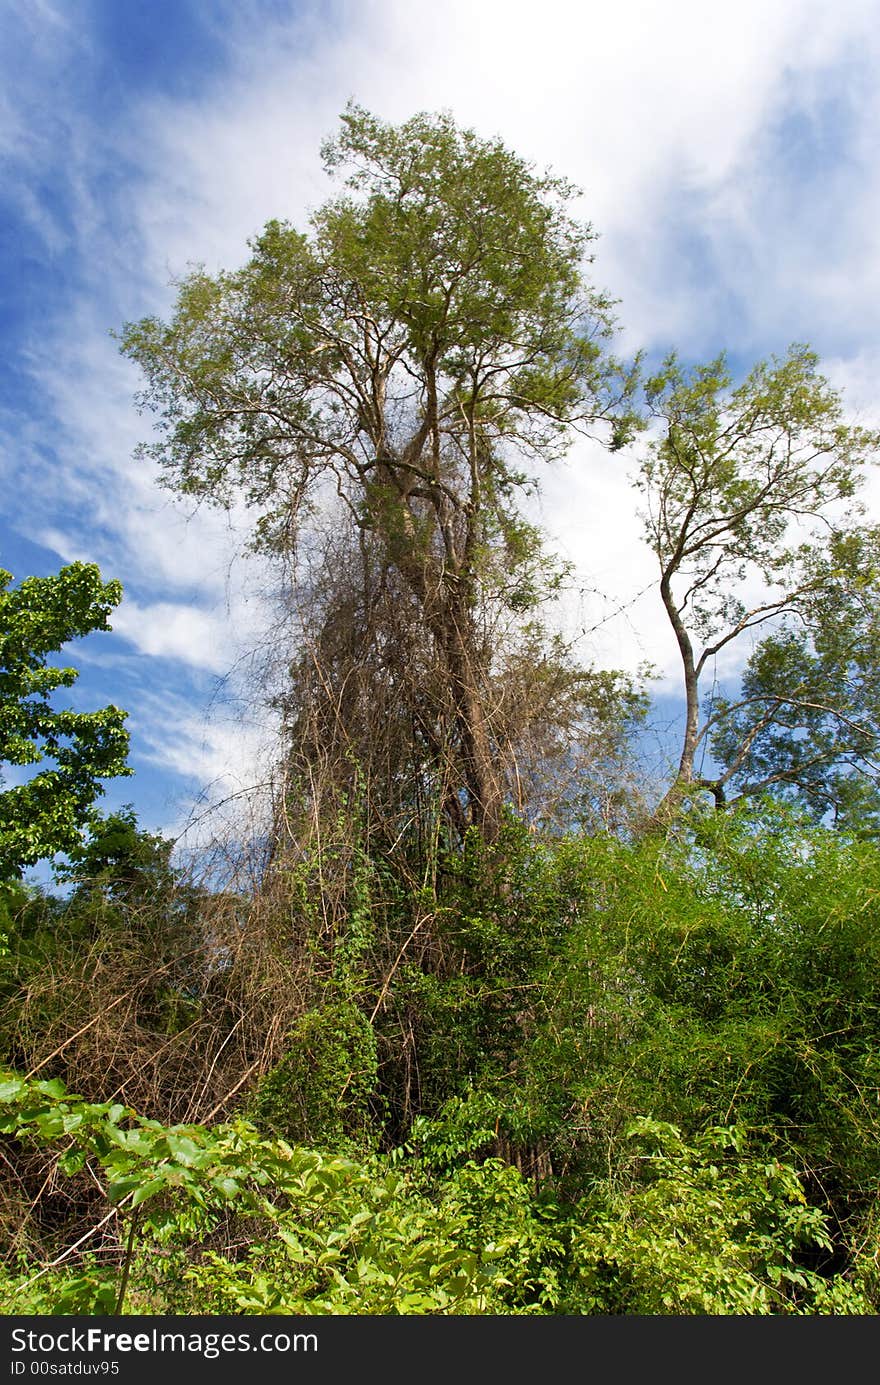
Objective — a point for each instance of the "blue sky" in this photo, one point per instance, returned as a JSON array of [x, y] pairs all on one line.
[[729, 162]]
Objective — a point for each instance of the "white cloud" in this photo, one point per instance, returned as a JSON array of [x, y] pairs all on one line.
[[217, 753], [643, 105], [198, 638], [224, 750]]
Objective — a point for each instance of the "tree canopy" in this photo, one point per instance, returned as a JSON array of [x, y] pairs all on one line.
[[48, 811], [740, 485], [406, 358], [805, 722]]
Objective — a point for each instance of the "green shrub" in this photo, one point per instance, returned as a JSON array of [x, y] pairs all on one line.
[[707, 1229], [319, 1091]]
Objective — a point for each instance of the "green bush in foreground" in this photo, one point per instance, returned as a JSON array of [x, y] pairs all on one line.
[[221, 1220]]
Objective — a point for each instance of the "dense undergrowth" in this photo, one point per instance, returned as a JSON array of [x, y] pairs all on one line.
[[571, 1076]]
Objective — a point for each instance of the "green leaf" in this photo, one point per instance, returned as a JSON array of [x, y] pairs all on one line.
[[146, 1190]]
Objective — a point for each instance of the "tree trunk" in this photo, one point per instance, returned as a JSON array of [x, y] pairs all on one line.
[[691, 685], [443, 597], [482, 780]]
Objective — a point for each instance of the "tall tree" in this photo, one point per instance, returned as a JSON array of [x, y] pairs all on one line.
[[49, 811], [737, 481], [431, 332]]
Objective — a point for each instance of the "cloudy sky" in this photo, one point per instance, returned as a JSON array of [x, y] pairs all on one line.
[[728, 157]]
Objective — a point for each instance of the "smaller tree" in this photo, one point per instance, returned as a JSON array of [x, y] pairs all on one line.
[[806, 723], [736, 482], [119, 859], [48, 812]]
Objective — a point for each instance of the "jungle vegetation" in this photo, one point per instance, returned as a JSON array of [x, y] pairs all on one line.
[[496, 1024]]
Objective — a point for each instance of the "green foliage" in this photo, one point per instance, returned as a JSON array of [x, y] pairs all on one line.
[[323, 1234], [497, 922], [807, 711], [397, 1245], [575, 992], [91, 1289], [431, 332], [729, 972], [319, 1091], [508, 1067], [736, 464], [118, 858], [732, 484], [708, 1228], [14, 897], [456, 260], [47, 813]]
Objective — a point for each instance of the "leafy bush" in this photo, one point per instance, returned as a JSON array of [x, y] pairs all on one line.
[[319, 1234], [707, 1229], [225, 1221], [727, 974], [318, 1093]]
